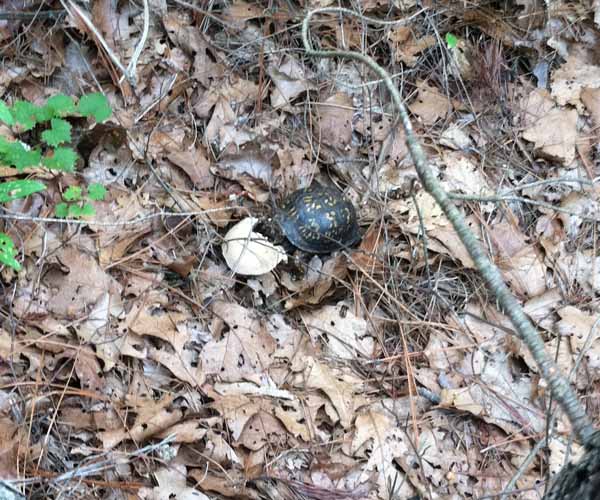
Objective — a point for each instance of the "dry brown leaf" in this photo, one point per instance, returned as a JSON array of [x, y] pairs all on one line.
[[118, 248], [571, 78], [262, 429], [317, 283], [366, 257], [294, 424], [220, 450], [267, 388], [553, 130], [456, 137], [590, 97], [236, 411], [287, 338], [296, 172], [563, 450], [290, 79], [406, 46], [11, 350], [583, 331], [87, 369], [191, 40], [182, 365], [172, 483], [245, 350], [155, 320], [245, 167], [9, 441], [344, 334], [463, 175], [142, 429], [78, 284], [341, 393], [389, 444], [540, 308], [518, 261], [217, 211], [335, 121], [579, 203], [252, 170], [496, 395], [190, 431], [195, 163], [430, 105], [240, 11], [232, 485]]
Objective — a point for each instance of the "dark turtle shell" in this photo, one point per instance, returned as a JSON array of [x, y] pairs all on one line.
[[318, 219]]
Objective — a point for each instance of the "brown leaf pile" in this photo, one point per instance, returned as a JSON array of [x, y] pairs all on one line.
[[135, 364]]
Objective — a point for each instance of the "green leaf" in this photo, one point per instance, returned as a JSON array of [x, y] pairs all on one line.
[[44, 114], [59, 132], [95, 105], [63, 159], [96, 192], [12, 190], [62, 105], [61, 210], [25, 114], [76, 211], [87, 210], [19, 156], [5, 114], [8, 252], [72, 193], [451, 40], [4, 145]]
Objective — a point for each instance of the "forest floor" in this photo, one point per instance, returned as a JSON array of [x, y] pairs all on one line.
[[134, 363]]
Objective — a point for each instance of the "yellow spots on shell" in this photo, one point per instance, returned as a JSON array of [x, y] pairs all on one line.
[[319, 219]]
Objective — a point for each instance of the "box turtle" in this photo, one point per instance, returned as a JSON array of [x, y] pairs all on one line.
[[318, 219]]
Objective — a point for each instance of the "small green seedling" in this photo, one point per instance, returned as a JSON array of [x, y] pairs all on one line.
[[76, 204], [51, 150], [8, 252], [451, 41]]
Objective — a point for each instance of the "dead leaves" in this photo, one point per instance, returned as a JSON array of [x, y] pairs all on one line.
[[244, 351], [552, 129], [296, 380]]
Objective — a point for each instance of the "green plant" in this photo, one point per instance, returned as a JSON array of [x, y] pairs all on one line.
[[77, 204], [451, 40], [8, 252], [49, 130]]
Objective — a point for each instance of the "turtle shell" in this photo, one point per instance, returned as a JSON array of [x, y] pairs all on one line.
[[318, 219]]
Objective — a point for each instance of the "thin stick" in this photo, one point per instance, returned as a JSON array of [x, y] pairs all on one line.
[[75, 11], [560, 387], [520, 199], [131, 67], [5, 214]]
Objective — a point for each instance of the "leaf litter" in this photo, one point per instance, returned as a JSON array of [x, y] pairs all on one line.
[[137, 351]]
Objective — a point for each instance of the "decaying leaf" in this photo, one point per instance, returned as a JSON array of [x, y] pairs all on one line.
[[553, 130], [344, 334], [382, 372], [245, 350], [335, 120], [172, 484], [430, 105]]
